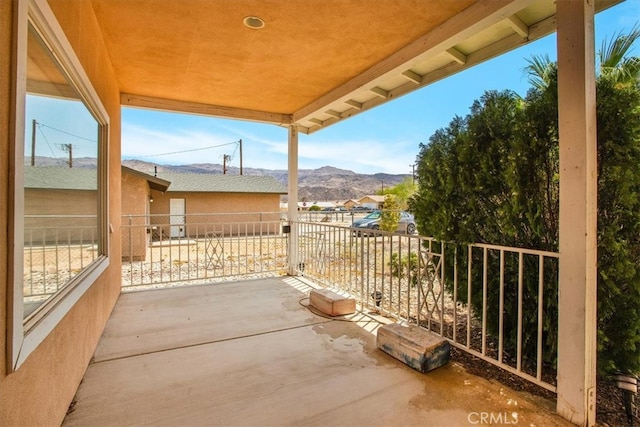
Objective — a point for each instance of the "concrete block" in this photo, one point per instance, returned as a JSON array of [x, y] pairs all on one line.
[[331, 303], [421, 349]]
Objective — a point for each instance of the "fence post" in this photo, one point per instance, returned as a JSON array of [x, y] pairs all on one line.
[[293, 200], [577, 319]]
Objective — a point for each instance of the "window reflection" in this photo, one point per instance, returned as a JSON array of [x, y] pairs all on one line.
[[61, 199]]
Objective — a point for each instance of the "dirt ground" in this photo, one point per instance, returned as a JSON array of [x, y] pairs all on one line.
[[610, 409]]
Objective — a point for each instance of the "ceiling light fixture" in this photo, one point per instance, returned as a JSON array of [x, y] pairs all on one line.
[[253, 22]]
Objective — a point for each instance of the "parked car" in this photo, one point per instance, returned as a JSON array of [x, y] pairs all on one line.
[[406, 224]]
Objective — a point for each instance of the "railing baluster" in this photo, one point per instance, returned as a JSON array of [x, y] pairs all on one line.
[[455, 293], [520, 297], [540, 316], [485, 270], [469, 281], [501, 308]]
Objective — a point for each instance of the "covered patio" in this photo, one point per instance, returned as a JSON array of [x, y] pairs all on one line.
[[249, 353], [184, 356]]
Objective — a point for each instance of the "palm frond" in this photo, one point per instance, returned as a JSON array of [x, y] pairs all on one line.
[[614, 50], [539, 70]]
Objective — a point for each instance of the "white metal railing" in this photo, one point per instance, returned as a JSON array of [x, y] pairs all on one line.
[[162, 249], [512, 321]]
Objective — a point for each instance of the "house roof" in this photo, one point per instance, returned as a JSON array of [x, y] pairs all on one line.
[[154, 182], [59, 178], [216, 183], [374, 197], [314, 63]]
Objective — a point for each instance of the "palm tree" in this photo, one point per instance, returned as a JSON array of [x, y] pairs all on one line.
[[613, 62], [541, 71]]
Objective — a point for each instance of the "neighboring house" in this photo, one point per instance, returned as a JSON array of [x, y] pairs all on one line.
[[136, 208], [59, 199], [191, 205], [372, 201], [349, 204], [233, 200], [60, 204]]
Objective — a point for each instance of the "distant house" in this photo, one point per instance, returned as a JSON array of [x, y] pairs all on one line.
[[222, 198], [372, 201], [136, 210], [180, 205], [349, 204]]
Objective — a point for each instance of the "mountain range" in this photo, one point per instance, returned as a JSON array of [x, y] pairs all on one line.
[[327, 183]]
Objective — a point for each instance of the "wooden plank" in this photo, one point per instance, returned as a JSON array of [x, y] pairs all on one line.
[[518, 26], [457, 56], [162, 104], [541, 29], [418, 348], [355, 104], [334, 113], [331, 303], [471, 21], [380, 92], [414, 77]]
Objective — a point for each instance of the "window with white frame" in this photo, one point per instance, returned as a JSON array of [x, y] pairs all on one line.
[[60, 198]]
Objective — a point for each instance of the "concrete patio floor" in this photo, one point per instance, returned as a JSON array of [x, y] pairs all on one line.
[[249, 354]]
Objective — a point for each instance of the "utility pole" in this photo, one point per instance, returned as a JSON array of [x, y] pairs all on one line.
[[33, 142], [241, 157], [68, 148], [225, 157], [413, 173], [382, 183]]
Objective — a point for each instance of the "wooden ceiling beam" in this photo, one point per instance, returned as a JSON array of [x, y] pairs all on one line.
[[355, 104], [414, 77], [472, 20], [131, 100], [334, 113], [380, 92], [518, 26], [457, 56], [536, 31]]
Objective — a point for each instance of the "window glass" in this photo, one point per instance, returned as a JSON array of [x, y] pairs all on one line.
[[62, 233]]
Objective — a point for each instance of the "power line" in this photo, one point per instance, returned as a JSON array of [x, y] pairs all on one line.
[[190, 151], [48, 144], [41, 125]]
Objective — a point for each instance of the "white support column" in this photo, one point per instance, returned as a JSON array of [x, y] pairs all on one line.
[[577, 321], [293, 199]]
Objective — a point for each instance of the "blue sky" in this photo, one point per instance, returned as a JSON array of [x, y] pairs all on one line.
[[385, 139]]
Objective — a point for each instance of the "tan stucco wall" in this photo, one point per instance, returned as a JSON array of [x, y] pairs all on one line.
[[40, 392], [6, 8], [135, 202], [222, 204], [59, 202]]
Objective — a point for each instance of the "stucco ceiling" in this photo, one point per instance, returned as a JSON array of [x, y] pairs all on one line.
[[314, 63]]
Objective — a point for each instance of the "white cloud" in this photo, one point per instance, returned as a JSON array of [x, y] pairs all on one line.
[[364, 156], [144, 143], [267, 149]]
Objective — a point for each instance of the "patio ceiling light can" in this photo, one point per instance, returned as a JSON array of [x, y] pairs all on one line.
[[253, 22]]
